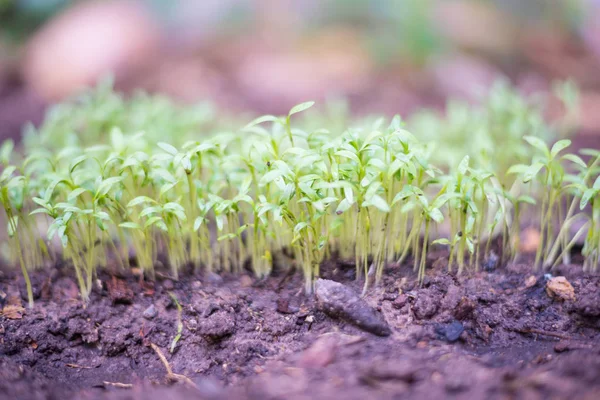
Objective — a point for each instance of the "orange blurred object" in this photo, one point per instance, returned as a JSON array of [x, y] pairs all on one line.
[[87, 41]]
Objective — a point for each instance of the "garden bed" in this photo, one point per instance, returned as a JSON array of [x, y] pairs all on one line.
[[491, 334]]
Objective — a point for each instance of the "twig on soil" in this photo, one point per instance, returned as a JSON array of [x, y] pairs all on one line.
[[179, 323], [170, 375], [78, 366], [118, 385], [545, 333]]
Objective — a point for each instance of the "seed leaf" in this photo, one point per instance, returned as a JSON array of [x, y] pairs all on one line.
[[170, 149], [559, 146], [301, 107]]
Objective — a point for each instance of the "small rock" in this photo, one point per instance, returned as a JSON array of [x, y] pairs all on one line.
[[217, 326], [150, 312], [196, 285], [246, 281], [320, 354], [284, 307], [389, 296], [393, 370], [214, 279], [339, 301], [192, 325], [530, 240], [168, 284], [400, 301], [119, 292], [530, 281], [426, 306], [559, 288], [13, 312], [561, 346], [450, 332], [464, 309], [491, 262], [208, 311]]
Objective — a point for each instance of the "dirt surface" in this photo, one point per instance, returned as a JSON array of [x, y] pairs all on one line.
[[494, 335]]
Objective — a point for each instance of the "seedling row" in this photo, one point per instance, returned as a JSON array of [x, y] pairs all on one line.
[[108, 182]]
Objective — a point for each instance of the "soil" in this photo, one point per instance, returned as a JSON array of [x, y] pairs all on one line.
[[494, 334]]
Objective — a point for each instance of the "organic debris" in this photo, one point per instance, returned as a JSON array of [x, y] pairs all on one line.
[[560, 288]]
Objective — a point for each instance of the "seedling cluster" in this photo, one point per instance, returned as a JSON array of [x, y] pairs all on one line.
[[141, 182]]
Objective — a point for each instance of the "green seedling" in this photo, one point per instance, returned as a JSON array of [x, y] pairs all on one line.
[[374, 194]]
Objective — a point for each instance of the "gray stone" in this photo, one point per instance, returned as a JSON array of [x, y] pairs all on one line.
[[339, 301]]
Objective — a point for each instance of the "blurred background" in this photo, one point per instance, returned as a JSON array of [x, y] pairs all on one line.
[[264, 56]]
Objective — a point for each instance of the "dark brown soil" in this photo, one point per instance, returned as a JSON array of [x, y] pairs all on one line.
[[486, 335]]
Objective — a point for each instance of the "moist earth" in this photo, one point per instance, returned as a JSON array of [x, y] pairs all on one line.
[[494, 334]]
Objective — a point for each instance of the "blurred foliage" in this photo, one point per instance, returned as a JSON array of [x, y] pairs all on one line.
[[20, 18], [391, 29]]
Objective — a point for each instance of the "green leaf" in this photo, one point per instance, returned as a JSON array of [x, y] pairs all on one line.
[[6, 151], [470, 246], [13, 224], [575, 159], [596, 185], [149, 211], [53, 228], [436, 215], [463, 167], [300, 226], [518, 169], [173, 207], [343, 206], [260, 120], [107, 184], [154, 221], [586, 197], [8, 171], [270, 177], [168, 148], [167, 187], [198, 223], [301, 107], [559, 146], [203, 147], [76, 162], [526, 199], [75, 193], [241, 229], [532, 171], [220, 220], [377, 202], [407, 191], [538, 144], [102, 215], [116, 139], [347, 154], [442, 241], [40, 211], [139, 200], [590, 152], [64, 239], [41, 202]]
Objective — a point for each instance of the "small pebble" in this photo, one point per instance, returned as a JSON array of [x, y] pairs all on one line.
[[214, 279], [450, 332], [491, 262], [168, 284], [150, 312], [400, 301], [208, 311], [561, 346], [320, 354], [339, 301], [284, 307]]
